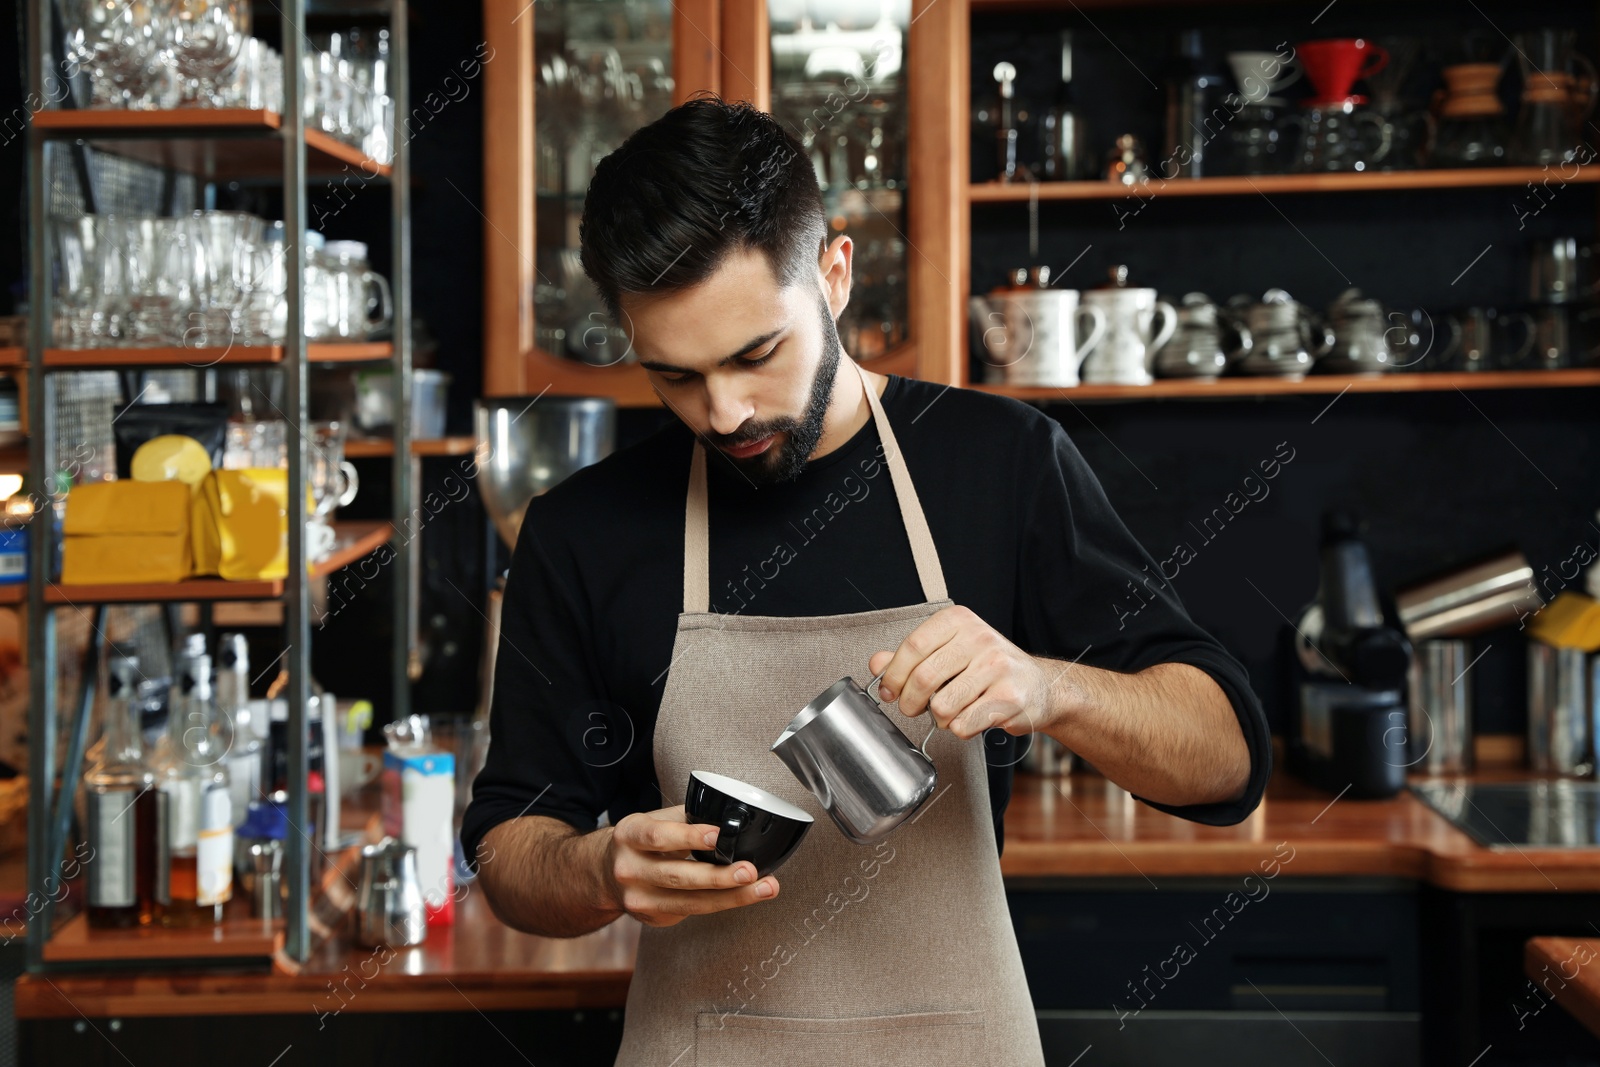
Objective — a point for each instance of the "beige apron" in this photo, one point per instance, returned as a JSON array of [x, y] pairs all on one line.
[[899, 953]]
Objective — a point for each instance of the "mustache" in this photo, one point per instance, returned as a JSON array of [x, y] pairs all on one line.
[[752, 435]]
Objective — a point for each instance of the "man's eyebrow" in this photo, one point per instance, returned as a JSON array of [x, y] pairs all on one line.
[[749, 346]]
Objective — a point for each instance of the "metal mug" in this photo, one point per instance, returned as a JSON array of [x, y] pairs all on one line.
[[863, 770], [389, 908]]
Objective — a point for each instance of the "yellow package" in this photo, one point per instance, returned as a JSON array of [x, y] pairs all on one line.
[[251, 507], [204, 536], [126, 532]]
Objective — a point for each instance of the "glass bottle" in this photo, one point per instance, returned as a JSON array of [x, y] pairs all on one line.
[[121, 807], [233, 705], [194, 877]]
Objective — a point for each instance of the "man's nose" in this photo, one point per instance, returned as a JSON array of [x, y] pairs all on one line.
[[727, 407]]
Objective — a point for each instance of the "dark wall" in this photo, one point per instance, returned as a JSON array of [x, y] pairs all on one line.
[[1440, 477]]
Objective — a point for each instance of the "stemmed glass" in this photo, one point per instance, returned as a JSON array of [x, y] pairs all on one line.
[[120, 43], [203, 45]]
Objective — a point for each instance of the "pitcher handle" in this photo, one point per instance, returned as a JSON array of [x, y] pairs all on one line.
[[385, 301], [872, 694], [1095, 335], [1169, 326]]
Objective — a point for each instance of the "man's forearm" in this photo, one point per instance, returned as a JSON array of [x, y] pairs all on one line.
[[1167, 733], [542, 876]]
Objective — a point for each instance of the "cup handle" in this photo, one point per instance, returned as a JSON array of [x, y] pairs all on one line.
[[1530, 335], [352, 482], [1452, 346], [1291, 73], [1375, 62], [728, 831], [1096, 333]]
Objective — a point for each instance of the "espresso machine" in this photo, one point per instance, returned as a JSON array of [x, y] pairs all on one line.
[[1348, 731], [526, 445]]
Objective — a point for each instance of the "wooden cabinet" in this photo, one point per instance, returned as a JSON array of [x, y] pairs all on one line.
[[907, 214]]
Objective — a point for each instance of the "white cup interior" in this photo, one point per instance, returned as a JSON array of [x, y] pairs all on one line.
[[752, 795]]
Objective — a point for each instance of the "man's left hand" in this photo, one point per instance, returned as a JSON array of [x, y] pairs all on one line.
[[966, 674]]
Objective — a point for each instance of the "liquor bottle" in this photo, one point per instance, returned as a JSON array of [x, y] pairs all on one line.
[[233, 704], [196, 810], [121, 802]]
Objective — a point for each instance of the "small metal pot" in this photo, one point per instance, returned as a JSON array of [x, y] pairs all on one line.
[[861, 768], [389, 908]]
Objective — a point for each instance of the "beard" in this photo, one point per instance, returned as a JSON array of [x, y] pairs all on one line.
[[801, 435]]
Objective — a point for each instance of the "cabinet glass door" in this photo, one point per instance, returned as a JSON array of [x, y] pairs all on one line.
[[839, 85], [603, 69]]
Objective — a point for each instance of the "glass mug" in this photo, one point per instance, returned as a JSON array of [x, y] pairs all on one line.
[[1477, 340], [348, 294]]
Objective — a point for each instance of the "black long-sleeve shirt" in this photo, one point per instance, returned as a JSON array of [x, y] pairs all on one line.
[[1024, 531]]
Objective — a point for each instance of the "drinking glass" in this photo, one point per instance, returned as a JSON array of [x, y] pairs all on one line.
[[158, 258], [88, 281], [333, 481], [120, 45], [204, 44]]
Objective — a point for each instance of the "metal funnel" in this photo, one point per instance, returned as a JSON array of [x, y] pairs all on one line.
[[527, 444]]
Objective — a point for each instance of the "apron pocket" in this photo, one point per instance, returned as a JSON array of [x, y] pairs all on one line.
[[921, 1040]]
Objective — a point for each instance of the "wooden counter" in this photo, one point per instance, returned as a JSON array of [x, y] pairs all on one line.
[[1086, 827], [477, 964], [1566, 970], [1056, 831]]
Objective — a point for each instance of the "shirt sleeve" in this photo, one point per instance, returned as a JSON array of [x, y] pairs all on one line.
[[1088, 591], [551, 731]]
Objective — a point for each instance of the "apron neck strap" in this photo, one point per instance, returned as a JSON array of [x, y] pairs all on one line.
[[697, 536]]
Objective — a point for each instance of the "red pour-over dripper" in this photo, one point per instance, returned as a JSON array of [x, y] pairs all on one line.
[[1335, 64]]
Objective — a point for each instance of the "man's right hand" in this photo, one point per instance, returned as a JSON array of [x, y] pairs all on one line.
[[657, 881]]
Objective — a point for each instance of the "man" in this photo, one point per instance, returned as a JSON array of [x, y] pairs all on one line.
[[672, 607]]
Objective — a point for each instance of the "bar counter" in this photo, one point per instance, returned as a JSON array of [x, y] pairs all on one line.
[[1060, 831]]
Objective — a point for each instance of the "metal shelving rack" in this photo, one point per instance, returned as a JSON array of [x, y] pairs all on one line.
[[50, 802]]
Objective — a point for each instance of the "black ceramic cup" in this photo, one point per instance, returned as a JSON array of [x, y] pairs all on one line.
[[754, 825]]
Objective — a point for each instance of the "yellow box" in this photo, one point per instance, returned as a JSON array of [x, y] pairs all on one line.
[[126, 532]]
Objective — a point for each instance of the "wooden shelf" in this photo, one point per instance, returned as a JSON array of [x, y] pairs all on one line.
[[353, 541], [626, 383], [13, 592], [1273, 184], [217, 144], [13, 356], [316, 352], [14, 459], [232, 939], [370, 447], [1395, 382]]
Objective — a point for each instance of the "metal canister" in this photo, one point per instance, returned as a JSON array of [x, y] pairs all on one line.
[[1440, 715], [1560, 711]]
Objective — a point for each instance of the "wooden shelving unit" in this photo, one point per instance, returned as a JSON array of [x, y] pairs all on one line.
[[13, 358], [233, 939], [354, 540], [213, 143], [318, 352], [1313, 384], [371, 447], [1279, 184], [13, 592]]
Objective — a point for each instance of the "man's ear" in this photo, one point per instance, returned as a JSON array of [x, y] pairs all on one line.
[[834, 269]]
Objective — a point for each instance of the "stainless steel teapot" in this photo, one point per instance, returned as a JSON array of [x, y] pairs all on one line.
[[1278, 335]]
